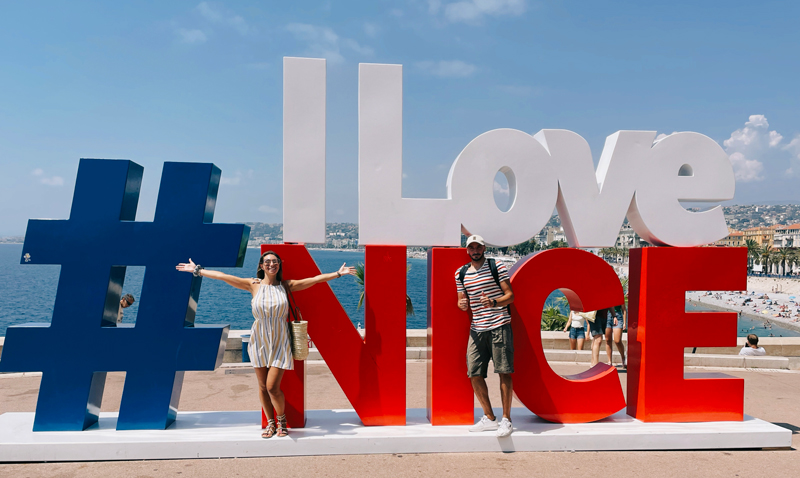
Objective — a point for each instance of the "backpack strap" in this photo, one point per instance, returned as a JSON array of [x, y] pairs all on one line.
[[496, 276], [461, 274]]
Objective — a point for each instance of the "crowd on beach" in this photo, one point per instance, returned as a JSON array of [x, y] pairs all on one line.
[[776, 302]]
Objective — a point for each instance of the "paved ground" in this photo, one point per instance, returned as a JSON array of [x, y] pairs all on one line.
[[770, 395]]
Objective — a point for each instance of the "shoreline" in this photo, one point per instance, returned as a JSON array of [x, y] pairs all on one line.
[[786, 325]]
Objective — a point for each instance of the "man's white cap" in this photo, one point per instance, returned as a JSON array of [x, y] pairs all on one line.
[[475, 238]]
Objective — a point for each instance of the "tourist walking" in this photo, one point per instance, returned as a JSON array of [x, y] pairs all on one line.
[[616, 324], [270, 348], [597, 329], [483, 287]]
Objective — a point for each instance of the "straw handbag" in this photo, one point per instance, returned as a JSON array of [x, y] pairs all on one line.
[[298, 329]]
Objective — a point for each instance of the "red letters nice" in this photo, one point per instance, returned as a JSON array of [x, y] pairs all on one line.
[[638, 177]]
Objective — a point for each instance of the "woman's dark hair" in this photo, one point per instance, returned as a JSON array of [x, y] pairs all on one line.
[[260, 272]]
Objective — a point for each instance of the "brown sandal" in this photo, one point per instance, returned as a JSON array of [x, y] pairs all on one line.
[[269, 432], [283, 430]]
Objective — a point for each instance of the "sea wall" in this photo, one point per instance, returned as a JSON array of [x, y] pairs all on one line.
[[555, 343]]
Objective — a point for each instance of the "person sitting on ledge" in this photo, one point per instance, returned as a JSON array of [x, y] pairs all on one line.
[[751, 347]]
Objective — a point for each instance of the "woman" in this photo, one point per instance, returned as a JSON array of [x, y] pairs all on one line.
[[614, 332], [270, 349], [577, 334]]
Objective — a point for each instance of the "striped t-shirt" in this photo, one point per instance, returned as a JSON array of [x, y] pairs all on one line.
[[481, 281]]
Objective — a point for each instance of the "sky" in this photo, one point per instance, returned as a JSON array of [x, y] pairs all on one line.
[[202, 82]]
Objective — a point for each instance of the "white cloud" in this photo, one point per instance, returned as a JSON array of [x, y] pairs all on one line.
[[219, 15], [774, 138], [47, 180], [191, 37], [794, 149], [268, 209], [236, 178], [448, 69], [748, 146], [371, 29], [746, 170], [473, 11], [323, 42], [500, 190]]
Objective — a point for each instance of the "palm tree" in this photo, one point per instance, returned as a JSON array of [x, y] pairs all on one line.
[[765, 256], [783, 256], [553, 318], [360, 282], [752, 253]]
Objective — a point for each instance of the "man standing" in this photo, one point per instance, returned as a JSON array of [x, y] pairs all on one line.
[[483, 286]]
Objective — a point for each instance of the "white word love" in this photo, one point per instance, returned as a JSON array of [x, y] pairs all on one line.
[[636, 177]]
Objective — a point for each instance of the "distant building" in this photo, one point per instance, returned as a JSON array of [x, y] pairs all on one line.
[[628, 239], [733, 239], [764, 235], [787, 236]]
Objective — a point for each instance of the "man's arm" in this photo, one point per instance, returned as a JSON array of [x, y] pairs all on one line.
[[506, 299]]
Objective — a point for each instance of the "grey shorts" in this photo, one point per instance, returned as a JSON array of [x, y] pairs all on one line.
[[497, 344]]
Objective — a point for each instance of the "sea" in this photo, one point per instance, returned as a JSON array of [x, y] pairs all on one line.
[[28, 292]]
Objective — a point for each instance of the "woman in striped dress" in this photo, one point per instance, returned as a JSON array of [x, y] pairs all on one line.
[[270, 350]]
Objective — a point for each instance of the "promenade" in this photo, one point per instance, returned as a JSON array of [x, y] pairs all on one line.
[[769, 394]]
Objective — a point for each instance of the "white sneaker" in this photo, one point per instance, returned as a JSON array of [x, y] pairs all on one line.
[[483, 425], [504, 428]]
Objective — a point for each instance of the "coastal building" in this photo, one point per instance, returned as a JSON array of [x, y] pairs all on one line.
[[787, 236], [733, 239], [628, 239], [762, 235]]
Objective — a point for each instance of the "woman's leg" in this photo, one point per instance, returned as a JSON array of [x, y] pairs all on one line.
[[580, 343], [572, 343], [609, 350], [273, 384], [263, 394], [620, 345]]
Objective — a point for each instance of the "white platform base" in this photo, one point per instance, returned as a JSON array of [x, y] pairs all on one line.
[[340, 432]]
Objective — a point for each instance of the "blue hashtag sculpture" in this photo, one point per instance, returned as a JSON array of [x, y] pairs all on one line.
[[83, 342]]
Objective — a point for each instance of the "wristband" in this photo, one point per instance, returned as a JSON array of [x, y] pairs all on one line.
[[197, 270], [495, 302], [338, 274]]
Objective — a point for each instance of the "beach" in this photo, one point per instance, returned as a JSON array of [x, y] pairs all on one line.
[[771, 300]]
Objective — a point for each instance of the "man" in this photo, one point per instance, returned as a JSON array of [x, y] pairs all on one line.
[[751, 347], [126, 301], [490, 332]]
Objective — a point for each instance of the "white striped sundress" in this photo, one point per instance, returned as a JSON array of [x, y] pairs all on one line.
[[269, 335]]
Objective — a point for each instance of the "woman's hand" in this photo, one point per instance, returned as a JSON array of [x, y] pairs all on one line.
[[184, 267], [344, 270]]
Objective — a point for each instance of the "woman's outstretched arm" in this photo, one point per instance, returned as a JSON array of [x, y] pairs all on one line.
[[301, 284], [238, 282]]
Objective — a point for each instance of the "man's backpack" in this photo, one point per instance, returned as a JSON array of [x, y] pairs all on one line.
[[492, 268]]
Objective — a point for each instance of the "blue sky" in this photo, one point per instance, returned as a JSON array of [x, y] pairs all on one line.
[[202, 81]]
